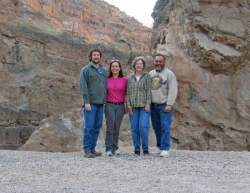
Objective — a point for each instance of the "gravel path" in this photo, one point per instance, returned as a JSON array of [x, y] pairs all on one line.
[[181, 172]]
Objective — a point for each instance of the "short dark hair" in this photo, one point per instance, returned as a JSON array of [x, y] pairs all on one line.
[[158, 54], [110, 64], [92, 51], [138, 59]]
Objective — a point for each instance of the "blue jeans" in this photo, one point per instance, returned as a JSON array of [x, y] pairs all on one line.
[[93, 124], [139, 121], [161, 122]]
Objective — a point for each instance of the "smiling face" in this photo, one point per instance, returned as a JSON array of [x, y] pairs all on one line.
[[115, 68], [139, 66], [159, 63], [96, 57]]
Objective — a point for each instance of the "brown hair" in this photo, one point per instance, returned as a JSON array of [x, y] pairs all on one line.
[[138, 59], [120, 72], [92, 51]]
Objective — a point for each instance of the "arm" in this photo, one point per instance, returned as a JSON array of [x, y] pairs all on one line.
[[148, 87], [173, 89], [128, 97], [83, 87], [172, 92]]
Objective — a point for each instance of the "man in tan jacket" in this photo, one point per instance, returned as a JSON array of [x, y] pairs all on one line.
[[164, 93]]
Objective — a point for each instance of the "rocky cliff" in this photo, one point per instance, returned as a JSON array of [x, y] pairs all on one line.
[[208, 44], [43, 45]]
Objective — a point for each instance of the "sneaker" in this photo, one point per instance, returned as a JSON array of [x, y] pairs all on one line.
[[89, 155], [109, 153], [96, 153], [137, 152], [164, 153], [158, 151], [145, 152]]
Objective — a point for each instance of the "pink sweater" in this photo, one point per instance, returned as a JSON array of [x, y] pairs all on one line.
[[117, 89]]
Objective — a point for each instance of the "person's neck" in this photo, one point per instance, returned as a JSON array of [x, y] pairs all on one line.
[[138, 73], [97, 65], [115, 75]]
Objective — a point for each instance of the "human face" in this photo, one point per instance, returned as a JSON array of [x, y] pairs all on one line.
[[96, 57], [115, 69], [139, 66], [159, 63]]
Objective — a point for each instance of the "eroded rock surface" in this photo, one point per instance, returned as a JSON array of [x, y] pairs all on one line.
[[208, 43], [43, 46]]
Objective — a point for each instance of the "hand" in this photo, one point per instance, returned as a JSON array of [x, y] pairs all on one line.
[[168, 108], [130, 110], [87, 107], [147, 108]]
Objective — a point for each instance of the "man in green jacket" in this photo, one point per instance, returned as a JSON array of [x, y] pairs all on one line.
[[93, 91]]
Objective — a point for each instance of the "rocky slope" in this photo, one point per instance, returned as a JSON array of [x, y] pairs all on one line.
[[43, 45], [208, 44]]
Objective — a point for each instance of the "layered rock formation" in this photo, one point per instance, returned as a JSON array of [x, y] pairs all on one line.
[[208, 44], [43, 45]]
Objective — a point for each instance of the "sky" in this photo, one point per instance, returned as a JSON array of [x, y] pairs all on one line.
[[139, 9]]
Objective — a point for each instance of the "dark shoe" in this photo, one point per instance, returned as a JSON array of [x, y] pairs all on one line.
[[145, 152], [137, 152], [109, 153], [96, 153], [89, 155]]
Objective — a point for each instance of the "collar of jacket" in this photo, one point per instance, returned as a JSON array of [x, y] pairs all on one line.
[[94, 66]]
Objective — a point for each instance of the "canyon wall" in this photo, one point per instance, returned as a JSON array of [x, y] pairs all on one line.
[[43, 46], [207, 43]]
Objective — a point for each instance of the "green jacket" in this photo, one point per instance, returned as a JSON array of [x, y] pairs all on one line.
[[93, 84], [139, 92]]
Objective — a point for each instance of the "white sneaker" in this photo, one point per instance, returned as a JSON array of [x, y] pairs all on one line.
[[109, 153], [164, 153], [158, 151]]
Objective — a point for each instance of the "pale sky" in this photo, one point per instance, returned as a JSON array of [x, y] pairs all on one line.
[[139, 9]]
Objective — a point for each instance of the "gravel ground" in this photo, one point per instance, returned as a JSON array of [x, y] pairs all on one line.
[[181, 172]]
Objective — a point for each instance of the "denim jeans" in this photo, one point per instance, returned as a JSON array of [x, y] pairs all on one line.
[[93, 124], [161, 122], [139, 121]]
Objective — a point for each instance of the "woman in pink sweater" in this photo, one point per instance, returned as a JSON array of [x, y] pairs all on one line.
[[115, 105]]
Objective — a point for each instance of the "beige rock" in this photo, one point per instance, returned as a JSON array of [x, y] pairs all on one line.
[[43, 46], [59, 133], [208, 46], [63, 133]]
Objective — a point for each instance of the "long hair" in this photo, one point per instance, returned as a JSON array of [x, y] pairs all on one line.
[[120, 72]]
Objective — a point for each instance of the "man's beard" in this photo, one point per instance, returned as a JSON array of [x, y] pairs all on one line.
[[158, 69], [96, 61]]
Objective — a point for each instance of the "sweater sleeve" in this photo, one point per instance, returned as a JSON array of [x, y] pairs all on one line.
[[83, 87], [172, 89]]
